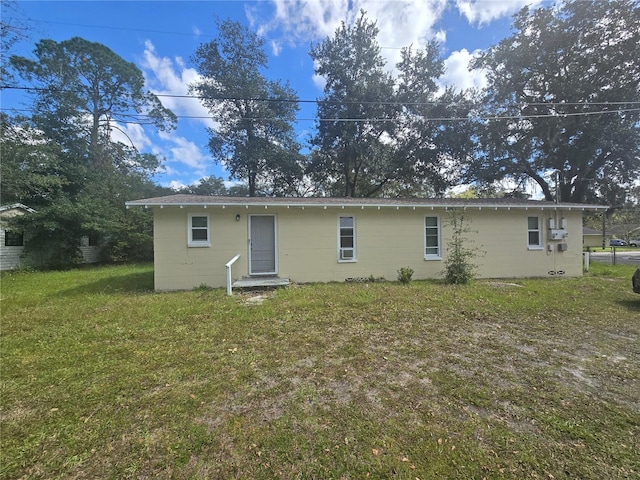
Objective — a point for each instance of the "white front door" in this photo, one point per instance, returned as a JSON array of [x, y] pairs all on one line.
[[262, 245]]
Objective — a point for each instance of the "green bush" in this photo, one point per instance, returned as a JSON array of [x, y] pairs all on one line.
[[404, 275]]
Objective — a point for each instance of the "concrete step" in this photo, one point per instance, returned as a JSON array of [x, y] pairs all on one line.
[[261, 282]]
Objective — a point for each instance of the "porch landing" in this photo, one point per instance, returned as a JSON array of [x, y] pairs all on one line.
[[259, 282]]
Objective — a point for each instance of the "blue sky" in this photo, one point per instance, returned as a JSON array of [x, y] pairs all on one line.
[[160, 37]]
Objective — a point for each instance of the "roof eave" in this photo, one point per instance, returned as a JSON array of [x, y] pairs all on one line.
[[17, 205], [397, 206]]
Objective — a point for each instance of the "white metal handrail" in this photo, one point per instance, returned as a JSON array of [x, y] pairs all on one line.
[[228, 265]]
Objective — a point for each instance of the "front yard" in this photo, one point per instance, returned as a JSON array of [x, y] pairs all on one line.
[[102, 378]]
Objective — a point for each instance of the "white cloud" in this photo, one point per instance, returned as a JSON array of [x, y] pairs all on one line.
[[184, 161], [276, 47], [175, 185], [131, 134], [318, 80], [171, 77], [440, 36], [305, 19], [483, 11], [232, 183], [184, 152], [401, 23], [459, 75]]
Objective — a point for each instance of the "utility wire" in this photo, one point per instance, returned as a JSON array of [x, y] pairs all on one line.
[[338, 102], [141, 30], [140, 117], [108, 27]]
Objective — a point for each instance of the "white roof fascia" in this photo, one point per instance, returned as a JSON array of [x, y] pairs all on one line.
[[397, 206], [17, 205]]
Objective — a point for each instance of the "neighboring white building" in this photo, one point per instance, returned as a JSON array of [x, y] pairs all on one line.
[[12, 242], [336, 239]]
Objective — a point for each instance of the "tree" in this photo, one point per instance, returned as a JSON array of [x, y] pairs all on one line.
[[72, 200], [83, 90], [563, 91], [34, 172], [353, 154], [13, 28], [31, 166], [206, 186], [63, 162], [379, 135], [430, 132], [254, 136]]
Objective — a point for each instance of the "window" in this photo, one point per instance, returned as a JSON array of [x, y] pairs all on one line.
[[90, 240], [347, 239], [432, 238], [13, 239], [93, 239], [199, 231], [534, 233]]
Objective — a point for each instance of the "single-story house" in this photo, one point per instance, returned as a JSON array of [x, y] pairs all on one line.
[[337, 239], [12, 242], [592, 238]]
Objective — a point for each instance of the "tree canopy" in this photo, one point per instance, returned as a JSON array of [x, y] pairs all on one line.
[[63, 161], [560, 109], [82, 91], [563, 97], [253, 136], [377, 134], [351, 154]]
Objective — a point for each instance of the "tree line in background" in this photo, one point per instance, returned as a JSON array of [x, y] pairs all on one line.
[[561, 110]]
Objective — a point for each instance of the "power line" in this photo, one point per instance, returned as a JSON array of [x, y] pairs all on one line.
[[141, 30], [251, 99], [338, 102], [141, 117], [108, 27]]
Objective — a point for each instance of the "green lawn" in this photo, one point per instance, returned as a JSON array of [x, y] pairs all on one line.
[[102, 378]]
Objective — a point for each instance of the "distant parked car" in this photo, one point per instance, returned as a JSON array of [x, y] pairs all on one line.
[[616, 242], [635, 243]]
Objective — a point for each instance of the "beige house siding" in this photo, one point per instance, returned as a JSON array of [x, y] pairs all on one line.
[[386, 240], [593, 241]]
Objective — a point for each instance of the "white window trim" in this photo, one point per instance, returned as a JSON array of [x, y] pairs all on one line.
[[539, 245], [354, 259], [437, 256], [198, 243]]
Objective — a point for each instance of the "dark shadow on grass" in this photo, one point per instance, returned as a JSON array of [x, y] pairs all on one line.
[[139, 282], [631, 305]]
